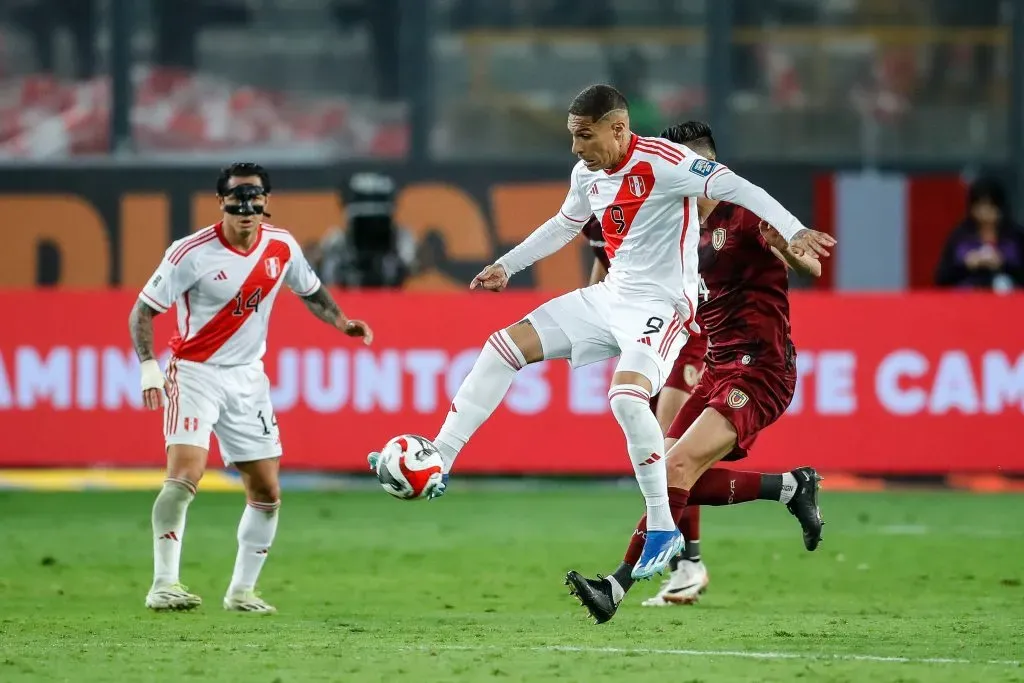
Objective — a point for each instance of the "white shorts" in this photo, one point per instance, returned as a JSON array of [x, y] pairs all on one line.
[[232, 401], [595, 323]]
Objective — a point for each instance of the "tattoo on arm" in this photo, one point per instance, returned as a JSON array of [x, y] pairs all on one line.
[[321, 304], [140, 325]]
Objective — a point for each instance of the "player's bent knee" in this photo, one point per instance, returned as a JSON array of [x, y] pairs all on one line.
[[630, 404], [269, 494], [638, 368], [260, 478], [526, 340]]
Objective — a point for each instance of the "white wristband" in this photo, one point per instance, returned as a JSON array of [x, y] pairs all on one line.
[[152, 377]]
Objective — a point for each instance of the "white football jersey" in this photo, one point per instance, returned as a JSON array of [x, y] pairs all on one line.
[[647, 206], [224, 295]]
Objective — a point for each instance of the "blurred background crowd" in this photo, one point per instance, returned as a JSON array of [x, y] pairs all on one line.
[[376, 91]]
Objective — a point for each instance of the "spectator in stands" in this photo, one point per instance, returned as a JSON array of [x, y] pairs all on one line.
[[986, 251], [372, 250]]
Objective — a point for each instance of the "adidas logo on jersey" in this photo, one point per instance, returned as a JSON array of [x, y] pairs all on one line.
[[644, 340], [594, 190], [221, 276]]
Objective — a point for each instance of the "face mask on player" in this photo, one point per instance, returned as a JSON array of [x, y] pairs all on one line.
[[246, 194]]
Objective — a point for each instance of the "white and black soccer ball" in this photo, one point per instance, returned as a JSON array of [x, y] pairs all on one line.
[[409, 466]]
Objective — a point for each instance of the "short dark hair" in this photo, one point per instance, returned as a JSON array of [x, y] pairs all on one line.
[[597, 101], [694, 134], [241, 169]]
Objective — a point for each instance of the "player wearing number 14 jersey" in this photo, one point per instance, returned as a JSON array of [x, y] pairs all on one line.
[[223, 280], [644, 191]]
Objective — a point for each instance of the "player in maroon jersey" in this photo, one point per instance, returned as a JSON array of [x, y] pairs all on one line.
[[689, 575], [747, 383]]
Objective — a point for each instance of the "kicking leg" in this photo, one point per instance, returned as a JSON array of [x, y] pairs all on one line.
[[185, 466], [256, 532], [506, 352]]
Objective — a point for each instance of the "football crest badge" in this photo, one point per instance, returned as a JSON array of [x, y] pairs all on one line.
[[718, 236], [273, 266], [737, 399]]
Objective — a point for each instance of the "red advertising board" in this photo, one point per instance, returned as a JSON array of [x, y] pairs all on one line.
[[902, 383]]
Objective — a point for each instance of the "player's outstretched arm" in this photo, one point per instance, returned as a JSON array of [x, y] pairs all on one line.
[[726, 186], [554, 234], [140, 326], [321, 304], [806, 263]]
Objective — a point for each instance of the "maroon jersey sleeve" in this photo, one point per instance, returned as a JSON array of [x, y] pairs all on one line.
[[595, 235], [744, 302]]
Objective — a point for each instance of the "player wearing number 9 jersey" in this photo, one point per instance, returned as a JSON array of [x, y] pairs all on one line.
[[644, 190], [223, 280], [748, 381]]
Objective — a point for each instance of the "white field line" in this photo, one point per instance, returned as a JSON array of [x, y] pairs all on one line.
[[737, 654]]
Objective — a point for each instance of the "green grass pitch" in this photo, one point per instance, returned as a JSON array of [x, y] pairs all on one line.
[[469, 588]]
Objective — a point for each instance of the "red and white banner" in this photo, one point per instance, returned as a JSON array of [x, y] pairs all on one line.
[[911, 384], [891, 227]]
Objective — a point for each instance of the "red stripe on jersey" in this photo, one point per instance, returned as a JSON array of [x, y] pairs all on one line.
[[619, 216], [228, 320], [202, 234], [660, 155], [178, 255], [271, 228], [664, 146], [708, 181], [682, 252], [574, 220], [188, 314], [663, 152]]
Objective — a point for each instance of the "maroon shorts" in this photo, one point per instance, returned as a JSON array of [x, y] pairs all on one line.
[[749, 397], [687, 368]]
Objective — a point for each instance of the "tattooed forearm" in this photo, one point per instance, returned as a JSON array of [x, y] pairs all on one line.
[[321, 304], [140, 325]]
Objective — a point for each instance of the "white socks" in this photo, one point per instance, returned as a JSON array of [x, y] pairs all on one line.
[[255, 536], [631, 406], [169, 527], [480, 394]]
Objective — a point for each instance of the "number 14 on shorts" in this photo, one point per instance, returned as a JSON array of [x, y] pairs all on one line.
[[263, 421]]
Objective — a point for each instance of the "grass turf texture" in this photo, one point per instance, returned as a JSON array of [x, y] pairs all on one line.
[[469, 588]]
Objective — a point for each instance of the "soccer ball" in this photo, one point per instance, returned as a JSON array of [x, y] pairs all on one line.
[[409, 465]]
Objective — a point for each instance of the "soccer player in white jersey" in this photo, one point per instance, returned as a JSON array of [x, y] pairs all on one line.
[[644, 191], [223, 280]]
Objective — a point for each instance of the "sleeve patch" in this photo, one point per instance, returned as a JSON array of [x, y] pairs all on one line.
[[703, 167]]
